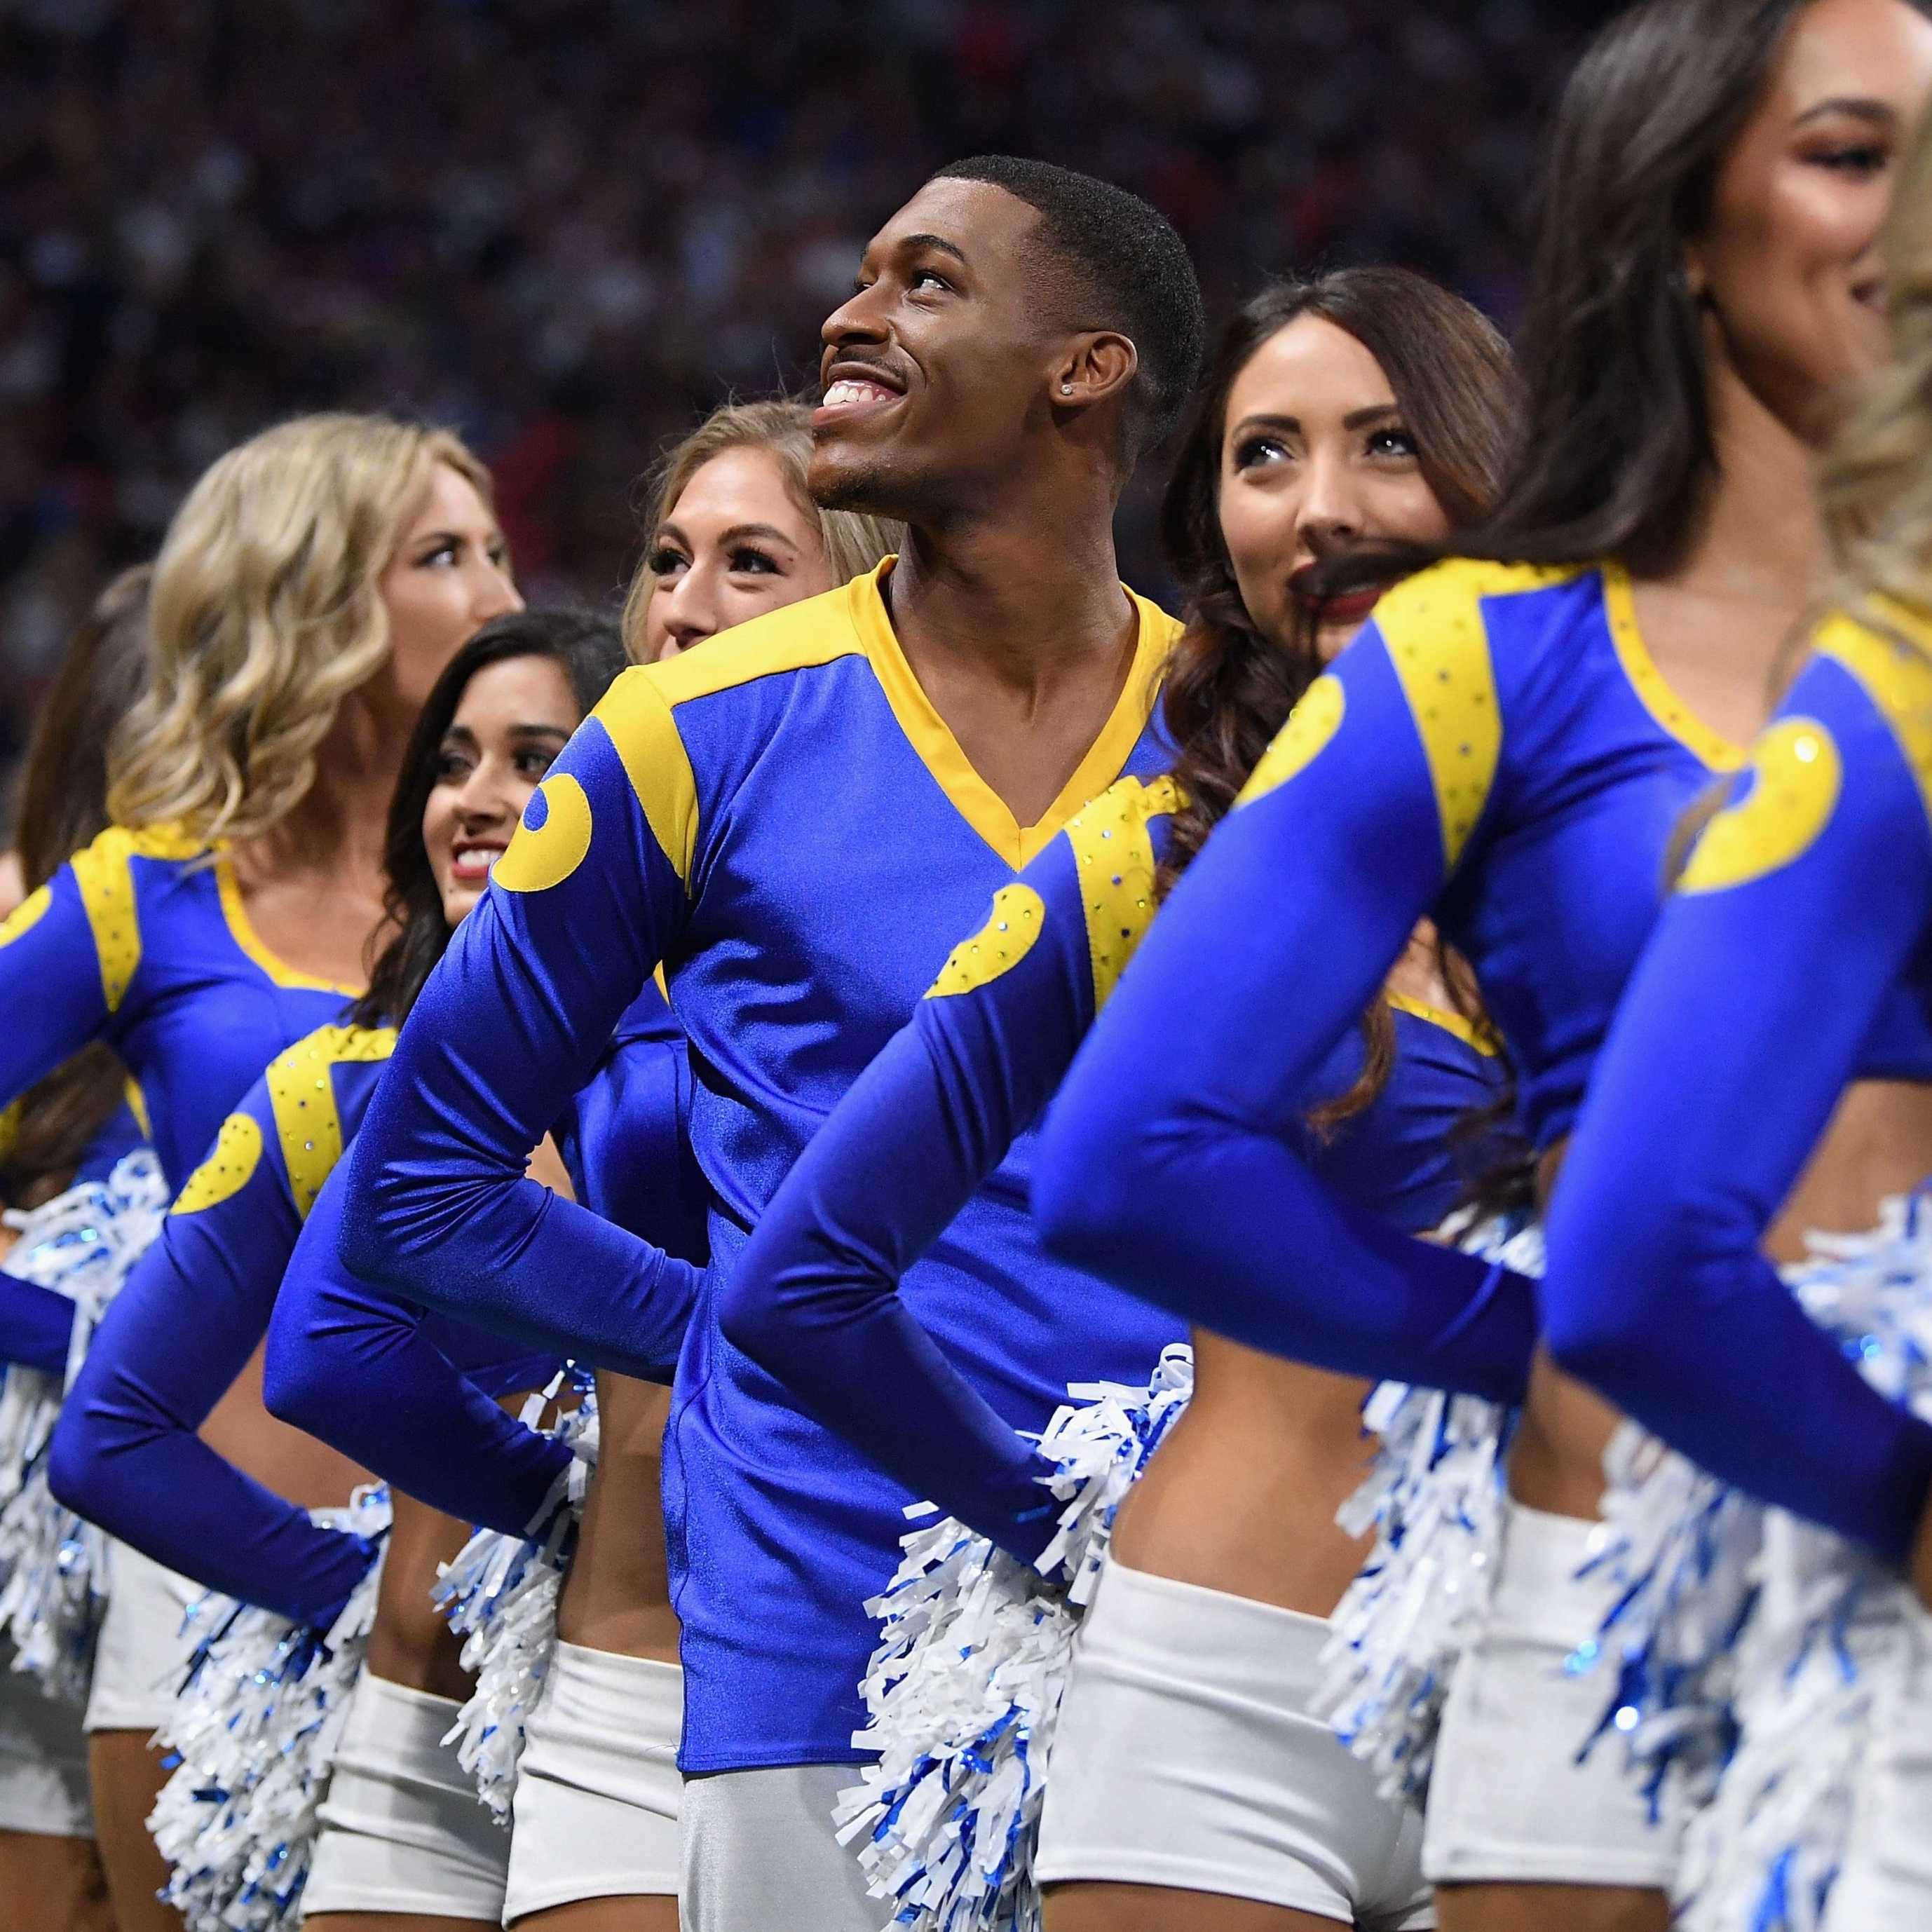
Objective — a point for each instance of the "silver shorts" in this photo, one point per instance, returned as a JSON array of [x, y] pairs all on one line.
[[1186, 1757], [598, 1789], [43, 1759], [402, 1828], [141, 1654], [1510, 1800], [759, 1854]]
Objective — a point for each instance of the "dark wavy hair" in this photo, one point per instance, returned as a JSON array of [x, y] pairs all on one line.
[[591, 652], [1229, 688], [62, 806]]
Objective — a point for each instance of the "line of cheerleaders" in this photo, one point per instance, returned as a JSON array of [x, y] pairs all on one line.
[[676, 1305]]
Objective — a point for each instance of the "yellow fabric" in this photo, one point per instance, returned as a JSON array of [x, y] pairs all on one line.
[[303, 1097], [1797, 774], [1018, 917]]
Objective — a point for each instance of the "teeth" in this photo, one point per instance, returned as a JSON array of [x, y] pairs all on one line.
[[845, 391]]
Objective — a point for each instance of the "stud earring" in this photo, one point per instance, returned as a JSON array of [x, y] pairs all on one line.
[[1067, 388]]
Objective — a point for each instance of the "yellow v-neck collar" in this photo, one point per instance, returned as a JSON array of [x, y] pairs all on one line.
[[931, 737], [1720, 753]]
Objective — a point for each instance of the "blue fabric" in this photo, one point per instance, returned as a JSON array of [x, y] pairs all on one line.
[[195, 1009], [1754, 1007], [765, 816], [36, 1325], [1169, 1166], [125, 1454], [815, 1298]]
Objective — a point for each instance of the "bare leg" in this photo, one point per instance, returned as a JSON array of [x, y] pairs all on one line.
[[391, 1921], [1086, 1907], [53, 1885], [126, 1777], [1549, 1908], [632, 1913]]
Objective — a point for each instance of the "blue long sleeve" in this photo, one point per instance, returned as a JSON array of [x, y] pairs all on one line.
[[1169, 1163], [503, 1035], [1802, 917], [354, 1367], [35, 1325], [125, 1454]]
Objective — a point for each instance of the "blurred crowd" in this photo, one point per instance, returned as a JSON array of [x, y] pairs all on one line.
[[565, 226]]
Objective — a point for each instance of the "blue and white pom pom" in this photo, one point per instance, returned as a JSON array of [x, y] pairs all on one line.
[[1826, 1646], [963, 1690], [252, 1736], [1434, 1500], [53, 1577], [500, 1595]]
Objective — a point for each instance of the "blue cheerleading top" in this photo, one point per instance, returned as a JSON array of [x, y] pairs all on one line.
[[1795, 956], [142, 941], [815, 1298], [372, 1373], [1496, 751], [785, 822]]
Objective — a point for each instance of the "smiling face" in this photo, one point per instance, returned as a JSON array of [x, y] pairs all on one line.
[[449, 576], [1791, 271], [1316, 458], [940, 366], [514, 717], [735, 544]]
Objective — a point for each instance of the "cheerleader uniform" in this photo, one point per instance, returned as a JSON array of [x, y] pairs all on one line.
[[1495, 751], [142, 940], [1185, 1754], [1801, 924], [597, 1791], [785, 822]]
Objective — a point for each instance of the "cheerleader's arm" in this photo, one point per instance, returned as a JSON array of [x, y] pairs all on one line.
[[1754, 1005], [354, 1366], [125, 1453], [1169, 1164]]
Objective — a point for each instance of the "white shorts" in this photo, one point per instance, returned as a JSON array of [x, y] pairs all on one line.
[[43, 1759], [597, 1787], [1509, 1802], [1886, 1879], [402, 1828], [141, 1655], [1186, 1757], [759, 1854]]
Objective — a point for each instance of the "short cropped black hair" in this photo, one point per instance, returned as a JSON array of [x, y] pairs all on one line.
[[1125, 257]]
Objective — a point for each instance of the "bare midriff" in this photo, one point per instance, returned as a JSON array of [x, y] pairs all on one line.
[[284, 1459], [1242, 1495], [1878, 1143], [617, 1596]]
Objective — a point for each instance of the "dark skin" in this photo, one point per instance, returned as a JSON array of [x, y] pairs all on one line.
[[997, 432]]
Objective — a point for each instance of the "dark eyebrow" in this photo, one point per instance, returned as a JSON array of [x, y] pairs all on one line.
[[539, 731], [462, 731], [1262, 420], [938, 241], [1375, 413], [1879, 112]]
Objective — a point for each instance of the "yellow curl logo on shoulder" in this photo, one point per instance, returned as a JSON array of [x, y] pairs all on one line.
[[1019, 914], [1312, 723], [1796, 773], [545, 853], [237, 1152]]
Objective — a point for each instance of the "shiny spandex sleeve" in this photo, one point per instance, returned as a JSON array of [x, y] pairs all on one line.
[[510, 1024], [1167, 1164], [814, 1298], [36, 1325], [1743, 1024], [352, 1365], [52, 988], [125, 1454]]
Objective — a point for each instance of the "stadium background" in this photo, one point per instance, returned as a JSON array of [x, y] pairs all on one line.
[[566, 226]]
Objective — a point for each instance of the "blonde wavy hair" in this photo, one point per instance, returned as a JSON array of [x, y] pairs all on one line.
[[265, 614], [854, 544], [1877, 486]]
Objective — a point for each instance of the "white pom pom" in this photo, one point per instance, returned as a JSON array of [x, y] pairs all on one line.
[[252, 1734], [963, 1690], [1434, 1499], [500, 1595], [53, 1578]]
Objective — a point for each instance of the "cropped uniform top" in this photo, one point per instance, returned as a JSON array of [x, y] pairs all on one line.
[[783, 820], [1496, 751], [814, 1297], [1795, 954]]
